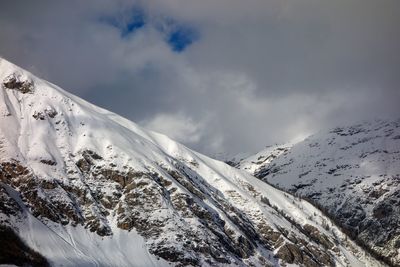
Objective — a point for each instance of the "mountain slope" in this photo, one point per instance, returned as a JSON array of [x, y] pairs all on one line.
[[85, 187], [353, 174], [253, 163]]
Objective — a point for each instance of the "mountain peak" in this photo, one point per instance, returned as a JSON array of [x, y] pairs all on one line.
[[86, 187], [350, 172]]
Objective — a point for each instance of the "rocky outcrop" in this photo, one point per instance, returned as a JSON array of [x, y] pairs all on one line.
[[317, 236], [142, 201], [15, 82]]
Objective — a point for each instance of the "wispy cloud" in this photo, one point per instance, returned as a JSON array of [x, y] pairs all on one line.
[[230, 75]]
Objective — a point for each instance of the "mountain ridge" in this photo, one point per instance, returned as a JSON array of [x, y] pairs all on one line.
[[352, 173], [84, 186]]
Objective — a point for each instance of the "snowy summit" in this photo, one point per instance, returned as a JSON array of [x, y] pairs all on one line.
[[82, 186]]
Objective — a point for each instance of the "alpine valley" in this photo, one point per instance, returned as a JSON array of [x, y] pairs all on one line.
[[82, 186]]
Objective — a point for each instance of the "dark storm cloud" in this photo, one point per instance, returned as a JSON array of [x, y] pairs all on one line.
[[225, 75]]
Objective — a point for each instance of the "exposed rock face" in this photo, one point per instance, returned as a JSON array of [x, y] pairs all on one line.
[[50, 113], [353, 175], [14, 82], [316, 235], [140, 201]]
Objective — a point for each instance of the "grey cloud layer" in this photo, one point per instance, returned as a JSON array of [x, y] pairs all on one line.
[[261, 72]]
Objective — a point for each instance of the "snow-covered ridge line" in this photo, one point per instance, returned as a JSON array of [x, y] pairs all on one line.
[[353, 173], [86, 187]]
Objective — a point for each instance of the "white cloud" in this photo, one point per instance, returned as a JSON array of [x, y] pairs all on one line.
[[261, 72], [176, 126]]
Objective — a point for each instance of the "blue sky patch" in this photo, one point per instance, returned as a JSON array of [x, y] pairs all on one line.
[[182, 37], [136, 20], [177, 35]]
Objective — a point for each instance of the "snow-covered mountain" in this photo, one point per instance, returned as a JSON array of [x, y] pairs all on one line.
[[81, 186], [252, 163], [352, 173]]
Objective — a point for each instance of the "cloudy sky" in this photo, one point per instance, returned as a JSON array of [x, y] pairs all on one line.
[[218, 75]]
